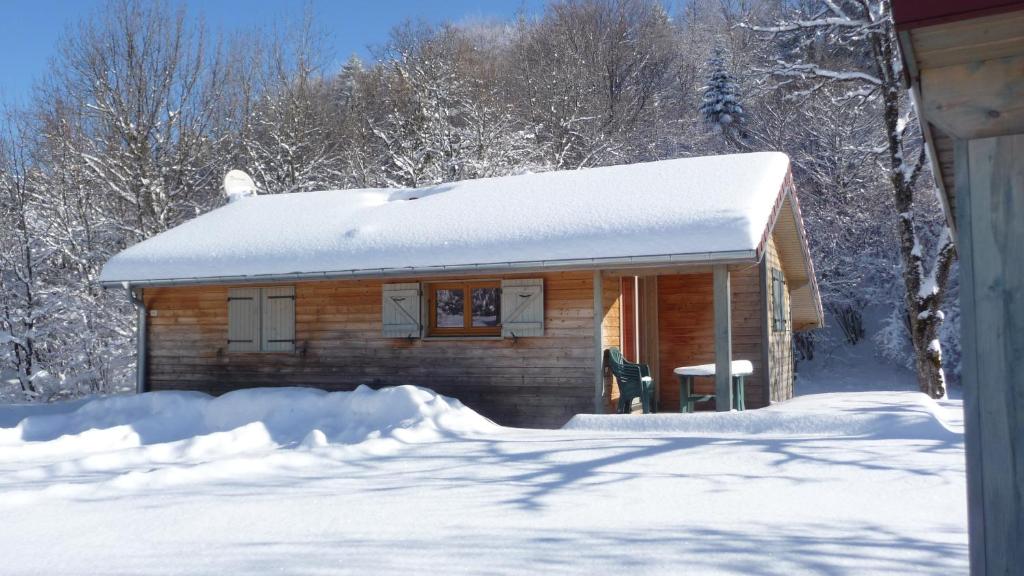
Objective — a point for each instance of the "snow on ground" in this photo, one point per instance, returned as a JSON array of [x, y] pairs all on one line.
[[401, 481]]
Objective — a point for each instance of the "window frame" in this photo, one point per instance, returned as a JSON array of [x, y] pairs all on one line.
[[467, 329]]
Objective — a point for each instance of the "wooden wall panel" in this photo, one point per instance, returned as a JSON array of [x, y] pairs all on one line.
[[686, 331], [611, 333], [540, 381], [780, 344], [629, 315]]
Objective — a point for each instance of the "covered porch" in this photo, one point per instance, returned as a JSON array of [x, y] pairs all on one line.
[[713, 313], [708, 315]]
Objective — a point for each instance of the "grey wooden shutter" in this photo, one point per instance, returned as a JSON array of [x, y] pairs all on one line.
[[400, 310], [522, 307], [278, 313], [243, 320]]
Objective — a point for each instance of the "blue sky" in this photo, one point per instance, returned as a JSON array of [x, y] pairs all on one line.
[[30, 29]]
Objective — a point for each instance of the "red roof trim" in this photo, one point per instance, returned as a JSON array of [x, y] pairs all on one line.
[[909, 14], [787, 185]]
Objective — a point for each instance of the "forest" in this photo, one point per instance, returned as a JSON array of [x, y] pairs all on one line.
[[144, 110]]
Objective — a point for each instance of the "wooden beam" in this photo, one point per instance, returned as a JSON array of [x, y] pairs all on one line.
[[649, 331], [970, 40], [598, 343], [141, 333], [975, 100], [723, 339], [990, 188], [766, 366]]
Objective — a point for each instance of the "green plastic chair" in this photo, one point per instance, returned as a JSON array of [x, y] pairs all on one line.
[[634, 382]]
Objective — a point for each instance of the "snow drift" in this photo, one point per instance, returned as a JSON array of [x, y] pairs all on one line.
[[202, 426], [880, 415]]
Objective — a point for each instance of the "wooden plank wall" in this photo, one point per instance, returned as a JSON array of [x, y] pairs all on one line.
[[780, 344], [686, 331], [611, 333], [538, 382], [628, 317]]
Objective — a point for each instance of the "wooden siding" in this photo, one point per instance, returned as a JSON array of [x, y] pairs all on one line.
[[780, 343], [971, 40], [970, 74], [611, 332], [789, 257], [539, 381], [648, 304], [686, 331], [628, 316]]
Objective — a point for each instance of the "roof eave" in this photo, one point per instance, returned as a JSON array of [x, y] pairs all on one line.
[[912, 82], [788, 189], [648, 261]]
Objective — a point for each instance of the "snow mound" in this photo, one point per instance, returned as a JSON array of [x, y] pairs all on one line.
[[193, 425], [879, 415]]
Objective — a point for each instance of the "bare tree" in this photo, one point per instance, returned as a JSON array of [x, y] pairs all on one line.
[[22, 258], [139, 74], [284, 116], [594, 75], [860, 54]]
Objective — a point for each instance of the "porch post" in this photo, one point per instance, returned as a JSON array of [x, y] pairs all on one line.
[[598, 344], [990, 205], [142, 315], [723, 339]]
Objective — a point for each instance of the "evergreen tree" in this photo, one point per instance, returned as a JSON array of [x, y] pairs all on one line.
[[720, 107]]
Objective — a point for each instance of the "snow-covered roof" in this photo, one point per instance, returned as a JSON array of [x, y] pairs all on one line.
[[715, 207]]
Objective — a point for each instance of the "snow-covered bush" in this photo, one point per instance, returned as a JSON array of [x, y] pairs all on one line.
[[892, 340]]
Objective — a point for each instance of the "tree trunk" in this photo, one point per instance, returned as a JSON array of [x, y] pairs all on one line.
[[923, 293]]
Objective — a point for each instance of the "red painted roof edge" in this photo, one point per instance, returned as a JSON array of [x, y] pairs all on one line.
[[909, 14]]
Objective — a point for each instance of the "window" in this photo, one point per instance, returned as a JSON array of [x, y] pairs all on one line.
[[261, 319], [465, 308], [512, 308], [778, 300]]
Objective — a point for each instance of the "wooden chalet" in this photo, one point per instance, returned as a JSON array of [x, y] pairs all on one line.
[[502, 292]]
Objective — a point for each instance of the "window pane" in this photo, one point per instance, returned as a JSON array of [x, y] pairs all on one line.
[[450, 311], [486, 307]]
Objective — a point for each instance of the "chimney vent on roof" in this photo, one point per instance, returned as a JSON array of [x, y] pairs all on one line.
[[238, 185]]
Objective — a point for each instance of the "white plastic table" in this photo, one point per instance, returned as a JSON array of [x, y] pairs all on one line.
[[740, 370]]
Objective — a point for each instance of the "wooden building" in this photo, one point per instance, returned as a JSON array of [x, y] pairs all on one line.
[[503, 293], [964, 64]]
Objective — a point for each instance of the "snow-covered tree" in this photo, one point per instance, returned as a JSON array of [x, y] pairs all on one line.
[[23, 302], [285, 133], [594, 80], [852, 43], [720, 106], [143, 112]]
